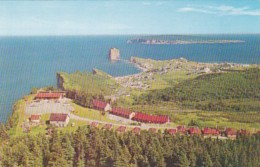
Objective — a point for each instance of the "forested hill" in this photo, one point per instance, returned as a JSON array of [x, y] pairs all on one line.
[[236, 91], [98, 148]]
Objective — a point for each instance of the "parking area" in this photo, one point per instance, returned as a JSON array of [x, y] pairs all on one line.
[[49, 106]]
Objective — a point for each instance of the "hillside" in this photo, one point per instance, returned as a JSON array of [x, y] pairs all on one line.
[[85, 86], [235, 90]]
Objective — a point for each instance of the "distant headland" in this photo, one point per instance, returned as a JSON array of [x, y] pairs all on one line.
[[174, 42]]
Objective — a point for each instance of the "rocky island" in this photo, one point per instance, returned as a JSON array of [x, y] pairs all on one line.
[[175, 42], [114, 54]]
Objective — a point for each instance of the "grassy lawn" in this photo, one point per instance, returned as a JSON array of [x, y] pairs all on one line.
[[90, 113]]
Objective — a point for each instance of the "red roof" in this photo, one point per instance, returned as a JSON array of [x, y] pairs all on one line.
[[181, 128], [147, 118], [194, 130], [35, 117], [230, 132], [172, 131], [153, 130], [99, 104], [58, 117], [107, 126], [49, 95], [121, 112], [244, 132], [136, 130], [94, 124], [209, 131], [121, 129]]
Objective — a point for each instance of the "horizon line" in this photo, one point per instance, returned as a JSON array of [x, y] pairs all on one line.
[[141, 34]]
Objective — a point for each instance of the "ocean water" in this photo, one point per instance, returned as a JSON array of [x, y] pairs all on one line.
[[27, 62]]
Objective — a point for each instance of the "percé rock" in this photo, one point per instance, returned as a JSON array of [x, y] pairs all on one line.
[[114, 54]]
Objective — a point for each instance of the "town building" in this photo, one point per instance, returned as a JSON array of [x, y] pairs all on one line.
[[99, 105], [94, 124], [172, 131], [35, 118], [50, 95], [230, 132], [107, 126], [244, 132], [194, 131], [136, 130], [121, 129], [152, 130], [59, 119], [181, 129], [210, 132]]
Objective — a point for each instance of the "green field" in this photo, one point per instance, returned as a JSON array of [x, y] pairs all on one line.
[[232, 91]]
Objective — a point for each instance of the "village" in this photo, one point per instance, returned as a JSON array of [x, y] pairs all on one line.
[[154, 71], [60, 113]]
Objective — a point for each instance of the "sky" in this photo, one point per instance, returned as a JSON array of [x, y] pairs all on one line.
[[28, 18]]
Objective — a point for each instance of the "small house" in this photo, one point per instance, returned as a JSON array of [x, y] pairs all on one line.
[[94, 124], [121, 129], [59, 119], [244, 132], [49, 95], [152, 130], [181, 129], [107, 126], [35, 118], [172, 131], [99, 105], [209, 132], [231, 133], [194, 131], [136, 130]]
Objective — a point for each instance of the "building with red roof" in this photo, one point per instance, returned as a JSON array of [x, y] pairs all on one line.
[[59, 119], [194, 131], [121, 112], [181, 129], [152, 130], [94, 124], [35, 118], [172, 131], [121, 129], [136, 130], [244, 132], [107, 126], [49, 95], [230, 132], [208, 132], [99, 105], [147, 118]]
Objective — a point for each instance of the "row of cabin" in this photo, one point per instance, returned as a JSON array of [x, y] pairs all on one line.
[[62, 120], [136, 116], [56, 119], [228, 132]]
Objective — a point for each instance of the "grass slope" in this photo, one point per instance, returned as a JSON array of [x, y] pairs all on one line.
[[232, 91], [100, 83]]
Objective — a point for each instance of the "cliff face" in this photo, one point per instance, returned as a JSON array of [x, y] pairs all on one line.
[[60, 81], [114, 54]]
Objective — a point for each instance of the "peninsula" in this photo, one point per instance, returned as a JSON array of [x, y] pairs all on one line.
[[175, 42]]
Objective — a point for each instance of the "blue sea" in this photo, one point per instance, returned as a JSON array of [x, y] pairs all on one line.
[[27, 62]]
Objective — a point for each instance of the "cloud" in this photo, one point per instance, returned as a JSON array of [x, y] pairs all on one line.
[[222, 10]]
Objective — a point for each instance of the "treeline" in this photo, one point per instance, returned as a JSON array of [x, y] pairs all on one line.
[[232, 91], [83, 98], [96, 148]]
